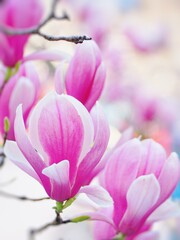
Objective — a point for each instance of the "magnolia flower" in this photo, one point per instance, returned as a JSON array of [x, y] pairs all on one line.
[[139, 178], [63, 147], [85, 75], [21, 88], [17, 14], [147, 38]]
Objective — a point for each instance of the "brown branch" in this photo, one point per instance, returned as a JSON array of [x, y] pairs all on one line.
[[57, 221], [23, 198], [37, 29], [2, 158]]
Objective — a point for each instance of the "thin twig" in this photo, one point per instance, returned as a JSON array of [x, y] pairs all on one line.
[[23, 198], [57, 221], [37, 29], [2, 158]]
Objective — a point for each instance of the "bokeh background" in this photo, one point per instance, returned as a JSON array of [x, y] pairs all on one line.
[[140, 45]]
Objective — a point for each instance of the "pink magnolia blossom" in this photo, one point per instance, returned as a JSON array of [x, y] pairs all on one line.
[[140, 178], [64, 146], [85, 75], [17, 14], [21, 88], [147, 38]]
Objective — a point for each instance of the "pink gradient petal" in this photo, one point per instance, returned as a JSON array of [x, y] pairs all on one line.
[[47, 55], [96, 87], [88, 126], [30, 72], [59, 176], [149, 235], [169, 177], [167, 210], [12, 151], [59, 79], [142, 195], [28, 150], [61, 132], [120, 171], [126, 136], [103, 227], [4, 103], [93, 157], [98, 195], [24, 87], [81, 69], [153, 159], [33, 125]]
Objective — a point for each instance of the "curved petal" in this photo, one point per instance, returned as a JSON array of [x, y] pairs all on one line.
[[12, 151], [59, 79], [141, 197], [167, 210], [98, 195], [28, 70], [93, 157], [88, 126], [60, 184], [81, 71], [28, 150], [83, 120], [49, 55], [126, 135], [97, 87], [4, 103], [169, 177], [120, 172], [102, 225], [148, 235], [22, 89], [154, 157], [60, 131]]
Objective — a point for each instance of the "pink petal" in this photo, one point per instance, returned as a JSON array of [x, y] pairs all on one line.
[[153, 158], [98, 195], [59, 176], [169, 177], [28, 69], [96, 87], [28, 150], [59, 79], [82, 70], [141, 197], [61, 132], [22, 89], [120, 172], [149, 235], [49, 55], [126, 136], [93, 157], [102, 225], [12, 151], [87, 123], [33, 125], [4, 103], [167, 210]]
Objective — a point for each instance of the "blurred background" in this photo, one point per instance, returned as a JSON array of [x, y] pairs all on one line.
[[140, 45]]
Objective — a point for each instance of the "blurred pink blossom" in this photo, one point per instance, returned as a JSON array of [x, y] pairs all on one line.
[[17, 14], [147, 38], [64, 147], [21, 88], [85, 75]]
